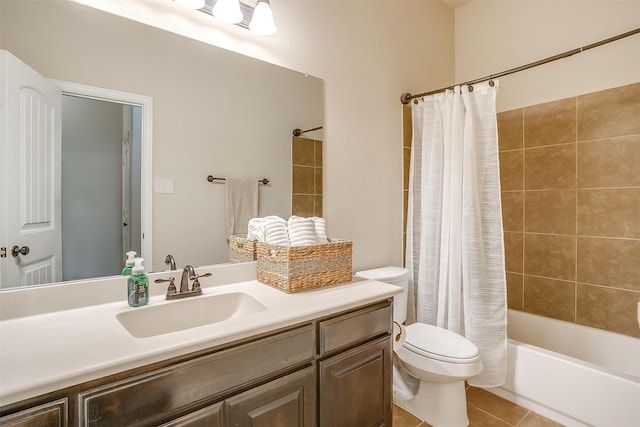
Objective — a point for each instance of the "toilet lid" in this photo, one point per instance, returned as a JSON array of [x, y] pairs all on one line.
[[439, 343]]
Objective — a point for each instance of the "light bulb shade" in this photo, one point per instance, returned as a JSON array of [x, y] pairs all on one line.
[[262, 19], [193, 4], [228, 11]]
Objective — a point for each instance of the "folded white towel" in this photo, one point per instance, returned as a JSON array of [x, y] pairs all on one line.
[[255, 229], [321, 229], [275, 231], [302, 231]]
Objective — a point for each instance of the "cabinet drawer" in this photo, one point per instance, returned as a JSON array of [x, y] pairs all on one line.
[[356, 327], [152, 398], [48, 414]]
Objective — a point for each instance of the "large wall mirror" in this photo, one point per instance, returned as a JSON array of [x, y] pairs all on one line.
[[215, 112]]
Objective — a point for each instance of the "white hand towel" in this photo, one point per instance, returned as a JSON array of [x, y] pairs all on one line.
[[321, 229], [241, 197], [302, 231], [275, 231]]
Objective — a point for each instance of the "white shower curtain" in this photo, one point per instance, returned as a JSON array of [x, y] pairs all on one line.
[[455, 250]]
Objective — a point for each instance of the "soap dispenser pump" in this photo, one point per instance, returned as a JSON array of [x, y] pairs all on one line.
[[138, 285], [128, 264]]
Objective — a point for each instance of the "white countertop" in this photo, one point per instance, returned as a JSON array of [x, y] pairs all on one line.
[[49, 351]]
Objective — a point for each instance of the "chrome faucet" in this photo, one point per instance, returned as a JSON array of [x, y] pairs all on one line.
[[188, 273], [170, 261]]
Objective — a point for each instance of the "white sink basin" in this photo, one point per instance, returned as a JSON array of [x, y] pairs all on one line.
[[188, 313]]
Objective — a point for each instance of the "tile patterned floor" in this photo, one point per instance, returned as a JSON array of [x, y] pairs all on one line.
[[484, 409]]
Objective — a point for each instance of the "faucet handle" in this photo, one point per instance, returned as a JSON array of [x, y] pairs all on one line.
[[172, 286], [196, 282]]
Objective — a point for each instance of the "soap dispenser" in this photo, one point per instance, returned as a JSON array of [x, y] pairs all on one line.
[[138, 285], [128, 264]]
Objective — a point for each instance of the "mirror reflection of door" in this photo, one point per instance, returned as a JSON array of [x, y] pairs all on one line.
[[101, 185]]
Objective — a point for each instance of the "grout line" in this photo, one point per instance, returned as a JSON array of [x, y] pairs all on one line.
[[575, 249], [523, 212]]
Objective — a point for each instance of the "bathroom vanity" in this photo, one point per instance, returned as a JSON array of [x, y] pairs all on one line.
[[318, 358]]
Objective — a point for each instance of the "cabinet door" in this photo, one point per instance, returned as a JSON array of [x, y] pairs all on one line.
[[49, 414], [289, 401], [355, 387], [211, 416]]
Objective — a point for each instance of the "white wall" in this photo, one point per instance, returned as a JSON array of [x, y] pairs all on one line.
[[492, 36], [367, 53]]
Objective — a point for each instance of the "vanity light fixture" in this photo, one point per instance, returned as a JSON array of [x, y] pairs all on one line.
[[227, 11], [258, 19], [262, 20]]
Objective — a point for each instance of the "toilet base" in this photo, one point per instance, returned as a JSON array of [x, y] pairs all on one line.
[[439, 404]]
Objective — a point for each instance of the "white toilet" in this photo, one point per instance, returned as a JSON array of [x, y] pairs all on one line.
[[440, 359]]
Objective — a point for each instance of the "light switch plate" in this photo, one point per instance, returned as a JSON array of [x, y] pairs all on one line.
[[163, 185]]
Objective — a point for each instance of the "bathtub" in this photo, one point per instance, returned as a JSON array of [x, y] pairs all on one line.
[[575, 375]]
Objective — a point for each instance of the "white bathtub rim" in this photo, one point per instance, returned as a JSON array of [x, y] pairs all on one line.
[[568, 390], [623, 376], [615, 353]]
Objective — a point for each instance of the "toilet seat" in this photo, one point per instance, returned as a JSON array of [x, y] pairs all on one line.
[[439, 344]]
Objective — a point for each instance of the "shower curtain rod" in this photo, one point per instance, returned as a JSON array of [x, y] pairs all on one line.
[[406, 97]]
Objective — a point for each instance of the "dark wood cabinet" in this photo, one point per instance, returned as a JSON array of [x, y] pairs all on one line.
[[287, 401], [330, 372], [49, 414], [355, 386]]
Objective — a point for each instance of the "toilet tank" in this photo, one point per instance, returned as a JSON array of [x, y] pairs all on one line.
[[395, 276]]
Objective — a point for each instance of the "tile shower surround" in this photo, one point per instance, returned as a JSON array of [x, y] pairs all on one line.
[[570, 178], [306, 179]]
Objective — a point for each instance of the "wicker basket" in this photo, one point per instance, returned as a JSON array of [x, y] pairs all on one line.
[[241, 249], [297, 269]]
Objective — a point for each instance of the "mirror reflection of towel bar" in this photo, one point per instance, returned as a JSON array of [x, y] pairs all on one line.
[[211, 178]]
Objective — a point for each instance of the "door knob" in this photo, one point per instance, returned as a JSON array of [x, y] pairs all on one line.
[[16, 250]]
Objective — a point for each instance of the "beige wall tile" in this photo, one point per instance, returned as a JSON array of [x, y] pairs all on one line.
[[550, 167], [609, 262], [550, 211], [610, 309], [317, 210], [513, 250], [515, 291], [550, 123], [318, 154], [302, 151], [406, 163], [407, 130], [512, 204], [317, 183], [613, 162], [303, 180], [510, 130], [511, 171], [550, 255], [609, 212], [302, 205], [608, 113], [550, 298]]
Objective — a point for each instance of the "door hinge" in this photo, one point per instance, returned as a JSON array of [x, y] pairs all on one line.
[[3, 252]]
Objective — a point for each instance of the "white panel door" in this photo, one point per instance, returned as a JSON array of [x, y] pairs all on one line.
[[30, 190]]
